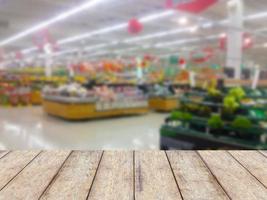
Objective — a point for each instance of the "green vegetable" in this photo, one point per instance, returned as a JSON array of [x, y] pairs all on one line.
[[215, 122], [204, 111], [230, 104], [241, 123], [238, 93], [214, 92], [183, 116]]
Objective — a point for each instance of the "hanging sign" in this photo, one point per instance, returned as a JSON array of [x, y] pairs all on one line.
[[202, 56], [191, 6], [42, 38], [246, 43]]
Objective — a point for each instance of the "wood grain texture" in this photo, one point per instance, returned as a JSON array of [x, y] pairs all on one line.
[[75, 177], [153, 177], [236, 180], [194, 178], [13, 163], [114, 178], [253, 161], [32, 181]]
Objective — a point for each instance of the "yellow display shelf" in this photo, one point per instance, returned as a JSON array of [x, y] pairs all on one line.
[[75, 111], [163, 104], [36, 98]]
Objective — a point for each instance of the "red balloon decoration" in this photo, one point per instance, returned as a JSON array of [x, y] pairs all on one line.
[[134, 26], [192, 6]]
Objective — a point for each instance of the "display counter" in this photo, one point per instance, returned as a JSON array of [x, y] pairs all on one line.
[[164, 104], [36, 98], [90, 110]]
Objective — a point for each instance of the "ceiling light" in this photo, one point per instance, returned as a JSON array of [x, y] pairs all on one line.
[[152, 17], [265, 45], [183, 21], [49, 22], [231, 3], [223, 35], [247, 41], [193, 29]]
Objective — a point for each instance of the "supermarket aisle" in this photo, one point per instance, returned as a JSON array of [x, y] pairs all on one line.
[[30, 128]]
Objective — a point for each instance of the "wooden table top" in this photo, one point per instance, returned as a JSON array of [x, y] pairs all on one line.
[[142, 175]]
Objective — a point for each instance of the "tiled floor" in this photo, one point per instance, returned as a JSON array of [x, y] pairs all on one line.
[[31, 128]]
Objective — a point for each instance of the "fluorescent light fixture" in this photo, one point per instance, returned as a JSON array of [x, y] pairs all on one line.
[[156, 35], [183, 21], [49, 22], [29, 50], [256, 16], [115, 27], [153, 17], [183, 41]]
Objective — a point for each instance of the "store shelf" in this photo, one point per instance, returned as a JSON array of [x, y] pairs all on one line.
[[183, 138]]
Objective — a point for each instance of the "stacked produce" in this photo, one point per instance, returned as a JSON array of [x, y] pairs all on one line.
[[230, 115], [105, 98]]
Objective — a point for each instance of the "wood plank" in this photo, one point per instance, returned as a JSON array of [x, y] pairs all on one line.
[[13, 163], [75, 177], [253, 161], [237, 181], [194, 178], [153, 177], [33, 180], [114, 178], [3, 153]]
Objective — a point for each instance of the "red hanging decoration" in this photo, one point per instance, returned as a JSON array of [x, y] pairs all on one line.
[[134, 26], [191, 6], [18, 55], [247, 42]]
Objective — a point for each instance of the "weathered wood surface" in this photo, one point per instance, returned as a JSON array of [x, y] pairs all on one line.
[[133, 175]]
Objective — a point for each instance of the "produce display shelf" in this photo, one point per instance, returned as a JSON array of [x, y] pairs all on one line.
[[82, 111], [36, 98], [182, 138], [165, 104]]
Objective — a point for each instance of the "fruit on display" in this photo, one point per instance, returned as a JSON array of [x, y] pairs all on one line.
[[104, 97]]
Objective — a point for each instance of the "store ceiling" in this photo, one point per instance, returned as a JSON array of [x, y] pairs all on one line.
[[158, 36]]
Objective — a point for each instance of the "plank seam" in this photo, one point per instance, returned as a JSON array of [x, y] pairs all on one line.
[[95, 175], [246, 169], [174, 176], [21, 170], [262, 154], [5, 154], [214, 176], [134, 197], [55, 176]]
